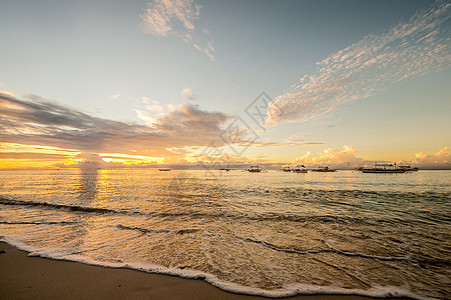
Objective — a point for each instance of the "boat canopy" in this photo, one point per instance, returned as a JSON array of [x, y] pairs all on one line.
[[383, 165]]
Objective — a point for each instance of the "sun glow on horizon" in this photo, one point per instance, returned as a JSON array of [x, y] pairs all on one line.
[[22, 156], [130, 159]]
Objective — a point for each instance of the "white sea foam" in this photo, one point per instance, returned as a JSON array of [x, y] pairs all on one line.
[[287, 291]]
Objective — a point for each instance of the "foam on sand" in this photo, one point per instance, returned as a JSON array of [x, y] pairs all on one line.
[[180, 271]]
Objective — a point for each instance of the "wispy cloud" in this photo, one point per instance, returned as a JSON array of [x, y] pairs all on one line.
[[150, 110], [288, 143], [9, 93], [26, 152], [188, 93], [209, 50], [114, 96], [163, 18], [368, 67], [39, 122], [152, 105]]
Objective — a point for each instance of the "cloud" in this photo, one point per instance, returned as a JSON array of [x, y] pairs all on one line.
[[163, 18], [341, 159], [147, 117], [197, 47], [191, 126], [288, 143], [152, 105], [19, 151], [32, 155], [439, 160], [8, 93], [90, 161], [188, 93], [114, 96], [347, 159], [209, 50], [368, 67], [39, 122]]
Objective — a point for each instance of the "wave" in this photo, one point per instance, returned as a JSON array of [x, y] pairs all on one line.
[[38, 223], [145, 230], [300, 192], [408, 258], [277, 217], [290, 290], [86, 209]]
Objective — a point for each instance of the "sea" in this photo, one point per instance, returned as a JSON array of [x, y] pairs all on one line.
[[273, 233]]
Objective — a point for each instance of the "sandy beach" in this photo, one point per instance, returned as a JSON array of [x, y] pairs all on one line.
[[24, 277]]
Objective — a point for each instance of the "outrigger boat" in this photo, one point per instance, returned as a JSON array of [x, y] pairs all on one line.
[[300, 169], [383, 168], [408, 168], [323, 169], [254, 169]]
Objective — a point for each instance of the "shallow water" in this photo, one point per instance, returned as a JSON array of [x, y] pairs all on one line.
[[272, 233]]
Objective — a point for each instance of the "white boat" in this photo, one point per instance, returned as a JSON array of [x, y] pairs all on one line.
[[287, 169], [254, 169], [323, 169], [383, 168], [300, 169], [408, 168]]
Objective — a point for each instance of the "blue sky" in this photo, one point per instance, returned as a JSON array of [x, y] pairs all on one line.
[[116, 60]]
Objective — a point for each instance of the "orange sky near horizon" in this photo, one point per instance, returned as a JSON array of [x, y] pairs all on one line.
[[21, 156]]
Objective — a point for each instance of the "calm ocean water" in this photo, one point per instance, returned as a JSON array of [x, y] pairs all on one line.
[[272, 233]]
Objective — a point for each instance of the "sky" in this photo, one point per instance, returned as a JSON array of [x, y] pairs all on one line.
[[110, 84]]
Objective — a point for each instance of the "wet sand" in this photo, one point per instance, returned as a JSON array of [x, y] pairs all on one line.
[[24, 277]]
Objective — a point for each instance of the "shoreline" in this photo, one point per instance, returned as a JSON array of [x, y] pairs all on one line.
[[25, 277]]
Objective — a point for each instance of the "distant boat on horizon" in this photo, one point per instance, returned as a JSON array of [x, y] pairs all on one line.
[[287, 169], [408, 168], [323, 169], [254, 169], [383, 169], [300, 169], [164, 169]]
